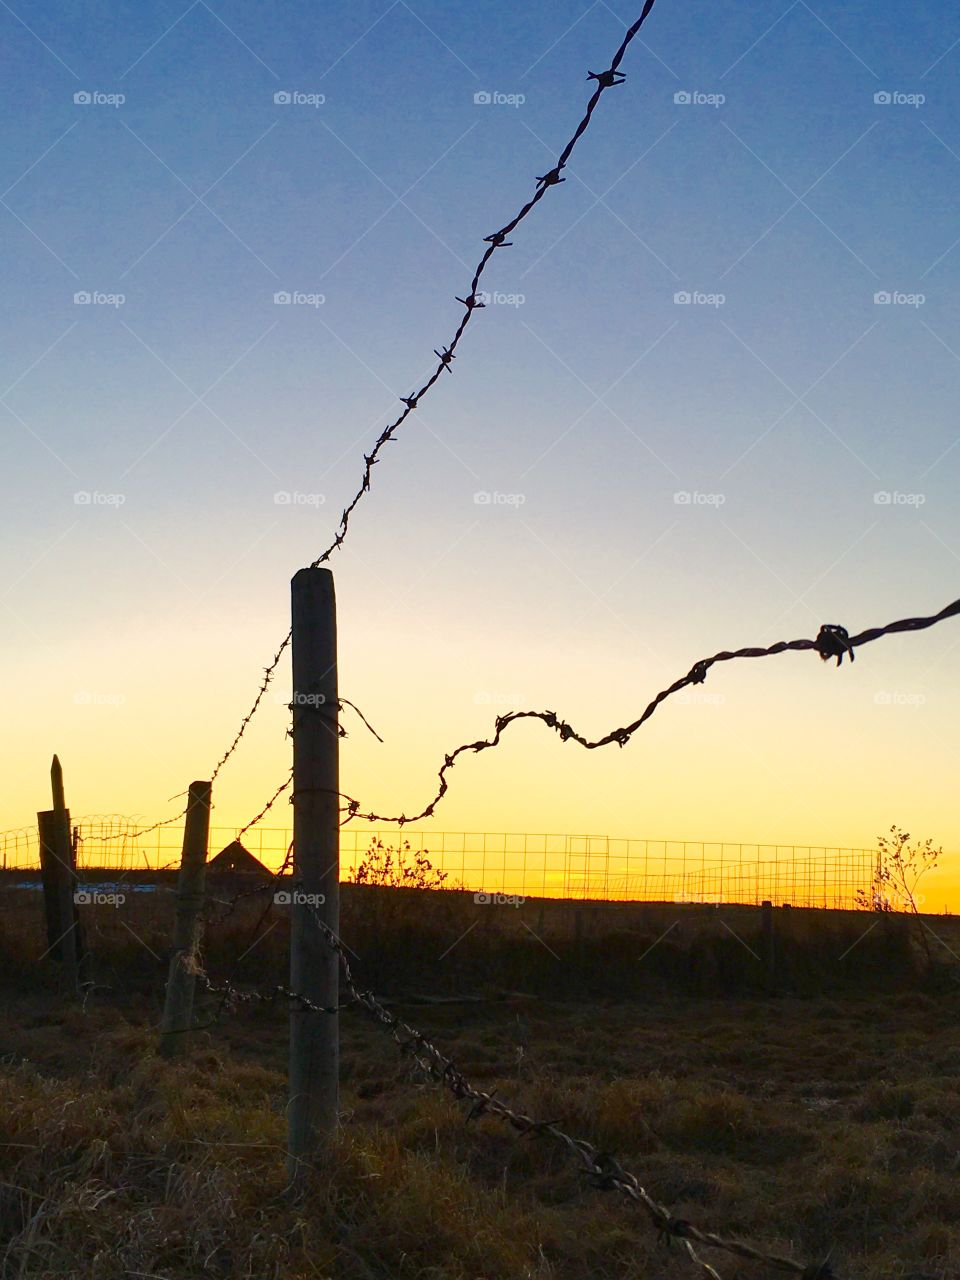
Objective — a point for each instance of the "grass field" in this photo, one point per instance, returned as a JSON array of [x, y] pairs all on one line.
[[807, 1124]]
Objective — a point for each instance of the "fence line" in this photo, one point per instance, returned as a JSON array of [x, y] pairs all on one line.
[[572, 866]]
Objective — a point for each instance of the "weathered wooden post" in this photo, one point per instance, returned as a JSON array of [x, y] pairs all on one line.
[[181, 980], [314, 965], [58, 873]]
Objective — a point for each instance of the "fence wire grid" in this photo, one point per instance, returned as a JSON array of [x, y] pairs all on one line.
[[580, 867]]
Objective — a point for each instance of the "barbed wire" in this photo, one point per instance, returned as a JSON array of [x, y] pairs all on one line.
[[233, 995], [264, 685], [832, 641], [603, 1169], [266, 808], [166, 822], [253, 890], [143, 831], [471, 302]]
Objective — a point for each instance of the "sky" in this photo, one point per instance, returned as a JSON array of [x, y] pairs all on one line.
[[711, 403]]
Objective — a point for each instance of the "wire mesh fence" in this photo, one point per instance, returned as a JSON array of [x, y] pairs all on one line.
[[581, 867]]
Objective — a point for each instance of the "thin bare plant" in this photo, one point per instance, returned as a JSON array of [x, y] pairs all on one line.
[[398, 868], [900, 868]]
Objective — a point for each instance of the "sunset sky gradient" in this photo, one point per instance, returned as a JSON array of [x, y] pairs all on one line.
[[134, 626]]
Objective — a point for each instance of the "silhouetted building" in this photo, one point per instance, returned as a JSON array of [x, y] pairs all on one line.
[[235, 860]]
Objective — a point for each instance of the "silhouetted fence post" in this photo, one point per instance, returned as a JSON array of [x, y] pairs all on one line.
[[58, 874], [314, 965], [181, 979]]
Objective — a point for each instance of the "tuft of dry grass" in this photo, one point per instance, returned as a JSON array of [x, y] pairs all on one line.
[[801, 1125]]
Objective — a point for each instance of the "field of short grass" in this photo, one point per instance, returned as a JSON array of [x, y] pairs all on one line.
[[806, 1124]]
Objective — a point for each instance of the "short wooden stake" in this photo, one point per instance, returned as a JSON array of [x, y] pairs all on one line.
[[58, 873], [181, 980]]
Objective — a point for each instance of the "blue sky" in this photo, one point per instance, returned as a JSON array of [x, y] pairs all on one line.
[[783, 398]]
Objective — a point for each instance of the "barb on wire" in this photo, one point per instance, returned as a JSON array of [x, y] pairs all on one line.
[[602, 1169], [471, 302], [268, 674], [832, 641]]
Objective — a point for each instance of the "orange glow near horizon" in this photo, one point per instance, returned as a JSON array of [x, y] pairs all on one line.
[[790, 751]]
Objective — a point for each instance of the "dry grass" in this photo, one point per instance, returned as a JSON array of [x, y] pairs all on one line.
[[802, 1124]]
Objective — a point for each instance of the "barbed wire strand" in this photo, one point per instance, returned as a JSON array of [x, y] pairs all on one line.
[[832, 642], [144, 831], [266, 808], [471, 302], [603, 1170], [270, 886]]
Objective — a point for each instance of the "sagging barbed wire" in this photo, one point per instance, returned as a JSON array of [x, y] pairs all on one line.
[[602, 1169], [471, 302], [832, 641]]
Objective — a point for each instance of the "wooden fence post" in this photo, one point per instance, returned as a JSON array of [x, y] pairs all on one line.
[[314, 965], [181, 979], [58, 873]]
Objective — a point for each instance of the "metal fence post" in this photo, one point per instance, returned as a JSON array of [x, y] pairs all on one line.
[[314, 964], [181, 980]]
